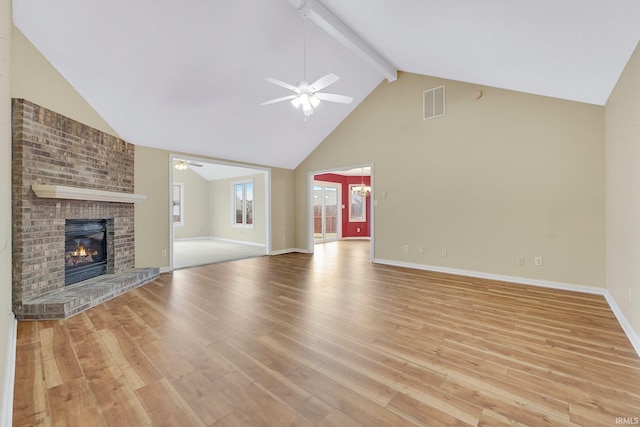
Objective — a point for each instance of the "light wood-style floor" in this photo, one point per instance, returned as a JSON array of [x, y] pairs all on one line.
[[328, 340]]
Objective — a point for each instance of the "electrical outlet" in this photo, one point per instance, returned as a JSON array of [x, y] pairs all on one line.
[[358, 230], [520, 260], [444, 252], [164, 252], [538, 261], [406, 248]]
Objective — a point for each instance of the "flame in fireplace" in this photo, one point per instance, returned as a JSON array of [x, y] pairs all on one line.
[[80, 255], [82, 251]]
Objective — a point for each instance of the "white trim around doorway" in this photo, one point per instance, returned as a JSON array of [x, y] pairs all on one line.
[[267, 195], [310, 180]]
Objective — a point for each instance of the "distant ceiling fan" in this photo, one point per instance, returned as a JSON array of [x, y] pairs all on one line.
[[181, 165], [308, 95]]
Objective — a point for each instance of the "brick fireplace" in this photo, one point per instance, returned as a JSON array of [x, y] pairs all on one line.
[[64, 170]]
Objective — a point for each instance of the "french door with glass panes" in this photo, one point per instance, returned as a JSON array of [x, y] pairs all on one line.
[[327, 212]]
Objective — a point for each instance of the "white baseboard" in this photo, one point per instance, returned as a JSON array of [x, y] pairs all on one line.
[[624, 323], [262, 245], [242, 242], [186, 239], [9, 374], [165, 269], [626, 326]]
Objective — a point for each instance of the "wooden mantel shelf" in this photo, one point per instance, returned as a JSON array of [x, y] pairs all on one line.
[[75, 193]]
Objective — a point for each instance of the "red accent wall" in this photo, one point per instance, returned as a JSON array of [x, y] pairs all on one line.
[[350, 229]]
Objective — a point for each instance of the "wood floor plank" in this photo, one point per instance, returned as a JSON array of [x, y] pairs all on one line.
[[166, 407], [203, 397], [191, 349], [421, 413], [136, 367], [338, 419], [345, 400], [73, 404], [256, 404], [30, 406], [166, 360], [329, 339], [275, 383], [235, 419], [114, 396], [60, 363]]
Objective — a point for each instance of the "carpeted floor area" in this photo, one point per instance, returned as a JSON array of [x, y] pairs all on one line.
[[193, 252]]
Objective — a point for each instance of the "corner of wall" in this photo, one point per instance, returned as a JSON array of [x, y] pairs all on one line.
[[7, 319], [6, 405], [622, 125]]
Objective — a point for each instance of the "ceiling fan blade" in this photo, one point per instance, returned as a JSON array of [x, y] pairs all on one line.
[[282, 84], [332, 97], [323, 82], [284, 98]]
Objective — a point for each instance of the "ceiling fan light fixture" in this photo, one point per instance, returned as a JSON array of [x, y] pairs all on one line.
[[181, 165], [308, 95], [305, 100], [307, 111]]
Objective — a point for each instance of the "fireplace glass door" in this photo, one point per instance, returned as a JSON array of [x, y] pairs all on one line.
[[85, 249]]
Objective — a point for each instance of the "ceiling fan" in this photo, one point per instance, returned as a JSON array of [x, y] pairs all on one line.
[[184, 164], [307, 95]]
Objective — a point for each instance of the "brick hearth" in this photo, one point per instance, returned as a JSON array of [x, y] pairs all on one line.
[[78, 297], [49, 148]]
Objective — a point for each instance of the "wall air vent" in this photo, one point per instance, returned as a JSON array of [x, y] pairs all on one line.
[[433, 103]]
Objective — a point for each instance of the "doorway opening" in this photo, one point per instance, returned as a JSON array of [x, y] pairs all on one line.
[[327, 215], [341, 205], [219, 211]]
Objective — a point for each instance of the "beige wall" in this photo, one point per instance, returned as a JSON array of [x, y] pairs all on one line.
[[197, 212], [6, 318], [283, 214], [220, 196], [151, 178], [623, 195], [35, 79], [508, 175]]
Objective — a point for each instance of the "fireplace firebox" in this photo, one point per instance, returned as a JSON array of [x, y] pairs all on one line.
[[85, 249]]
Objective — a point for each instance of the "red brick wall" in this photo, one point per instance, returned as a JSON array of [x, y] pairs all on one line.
[[49, 148]]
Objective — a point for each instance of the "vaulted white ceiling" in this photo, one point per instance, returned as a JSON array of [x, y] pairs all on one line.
[[189, 76]]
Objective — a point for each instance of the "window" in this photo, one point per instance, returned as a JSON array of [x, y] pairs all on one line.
[[357, 204], [178, 204], [243, 203]]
